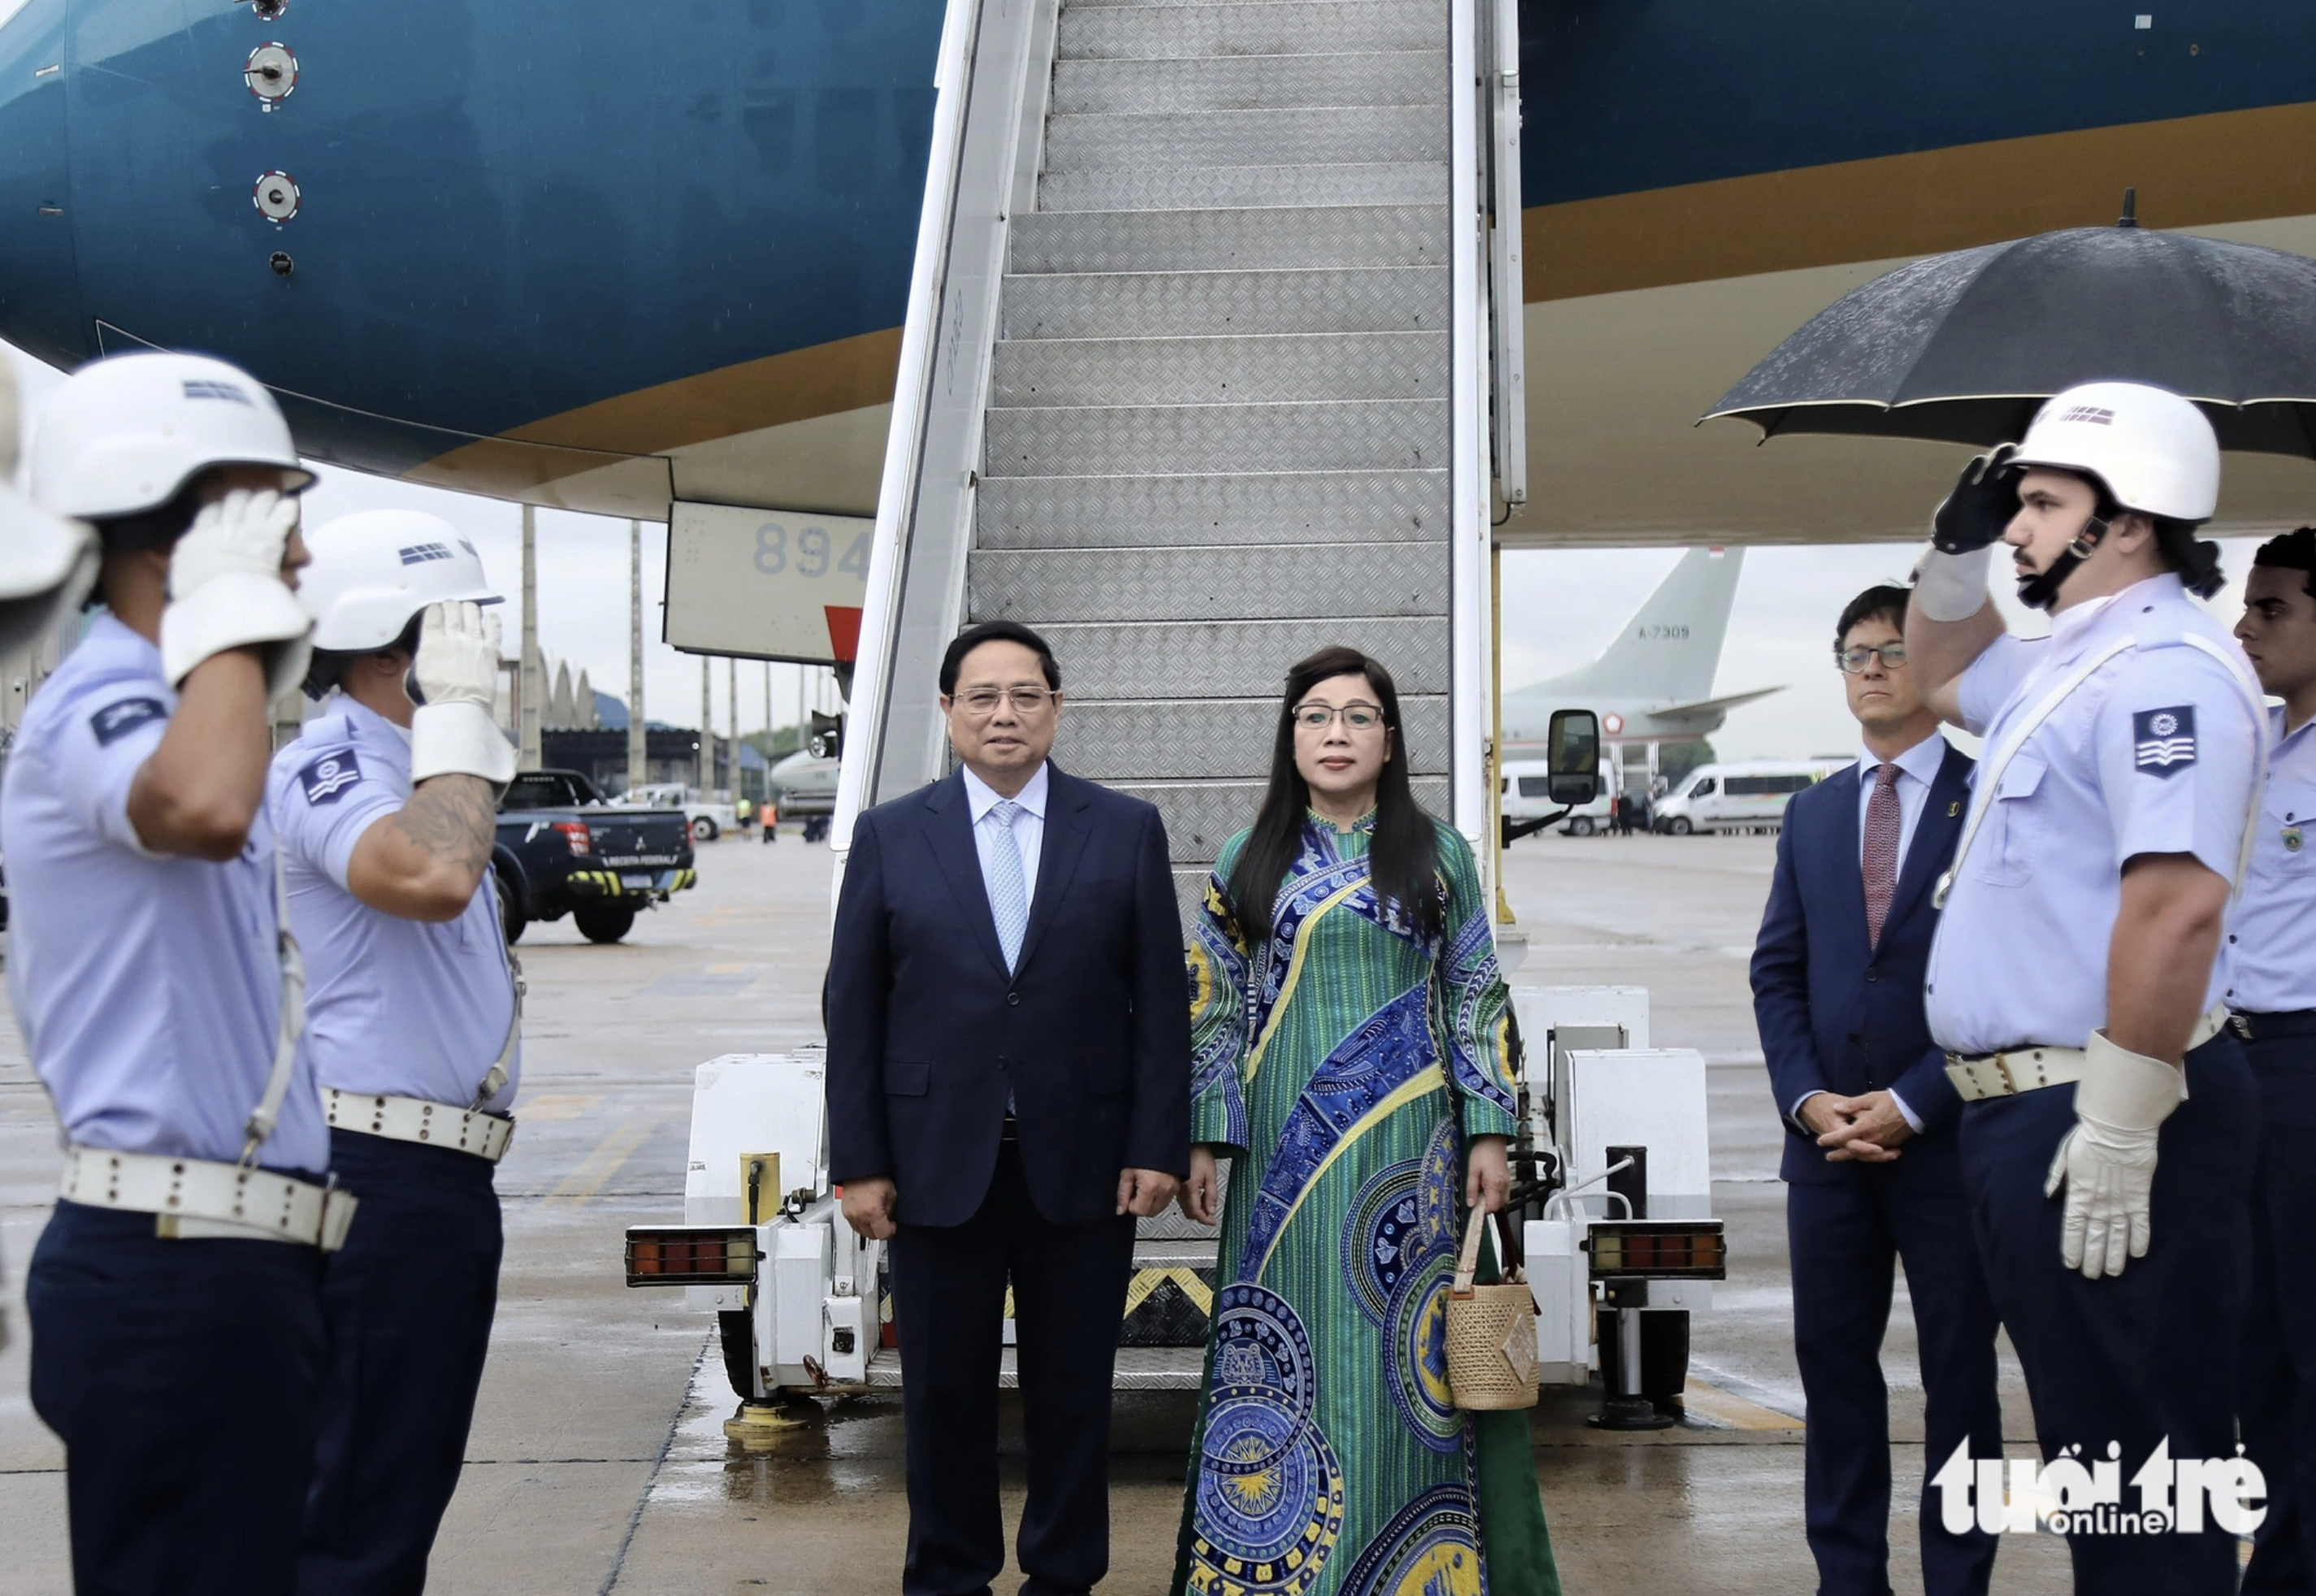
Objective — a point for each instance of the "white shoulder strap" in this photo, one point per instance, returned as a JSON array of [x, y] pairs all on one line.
[[495, 1081], [1989, 774], [290, 1020]]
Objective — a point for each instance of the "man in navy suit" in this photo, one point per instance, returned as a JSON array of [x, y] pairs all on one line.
[[1009, 1089], [1871, 1171]]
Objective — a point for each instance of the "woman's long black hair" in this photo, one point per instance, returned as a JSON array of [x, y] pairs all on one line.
[[1404, 856]]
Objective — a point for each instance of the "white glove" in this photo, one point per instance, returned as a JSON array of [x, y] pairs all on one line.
[[456, 671], [2107, 1162], [225, 590], [1952, 586]]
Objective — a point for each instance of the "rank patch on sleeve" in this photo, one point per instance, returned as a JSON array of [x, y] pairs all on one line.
[[117, 720], [2163, 741], [326, 778]]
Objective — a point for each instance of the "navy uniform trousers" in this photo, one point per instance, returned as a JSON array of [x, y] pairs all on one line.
[[2277, 1410], [2141, 1357], [408, 1301], [1845, 1237], [949, 1301], [181, 1377]]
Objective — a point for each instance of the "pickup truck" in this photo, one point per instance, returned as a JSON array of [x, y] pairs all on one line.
[[562, 849], [710, 817]]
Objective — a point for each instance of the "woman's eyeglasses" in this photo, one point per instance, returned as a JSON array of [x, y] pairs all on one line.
[[1853, 660], [983, 701], [1358, 717]]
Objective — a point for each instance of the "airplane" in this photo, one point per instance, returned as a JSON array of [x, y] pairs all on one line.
[[1654, 682], [604, 256]]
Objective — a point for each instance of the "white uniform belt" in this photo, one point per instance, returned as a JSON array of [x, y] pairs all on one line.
[[2030, 1069], [198, 1198], [415, 1120]]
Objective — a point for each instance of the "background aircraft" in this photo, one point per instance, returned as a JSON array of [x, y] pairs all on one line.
[[600, 255], [1654, 682]]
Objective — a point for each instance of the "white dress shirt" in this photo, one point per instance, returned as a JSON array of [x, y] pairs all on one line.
[[1918, 767], [1028, 833]]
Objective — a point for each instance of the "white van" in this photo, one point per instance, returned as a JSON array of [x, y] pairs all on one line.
[[1528, 796], [1744, 795]]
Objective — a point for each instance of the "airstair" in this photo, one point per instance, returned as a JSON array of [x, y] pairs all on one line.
[[1202, 372]]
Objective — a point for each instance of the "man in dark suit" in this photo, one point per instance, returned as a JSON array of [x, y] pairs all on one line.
[[1008, 1088], [1871, 1167]]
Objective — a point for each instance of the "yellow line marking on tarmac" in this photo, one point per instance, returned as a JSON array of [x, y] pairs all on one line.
[[1719, 1406], [559, 1105], [599, 1165]]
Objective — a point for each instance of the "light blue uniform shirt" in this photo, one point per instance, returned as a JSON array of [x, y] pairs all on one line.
[[2156, 752], [402, 1008], [148, 987], [2271, 936]]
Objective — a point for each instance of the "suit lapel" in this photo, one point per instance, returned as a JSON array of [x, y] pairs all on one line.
[[948, 832], [1935, 832], [1847, 866], [1066, 802]]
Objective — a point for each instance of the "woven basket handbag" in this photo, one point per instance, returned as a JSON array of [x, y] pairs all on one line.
[[1490, 1334]]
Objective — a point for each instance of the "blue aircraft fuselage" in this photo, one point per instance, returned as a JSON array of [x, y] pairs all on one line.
[[531, 239]]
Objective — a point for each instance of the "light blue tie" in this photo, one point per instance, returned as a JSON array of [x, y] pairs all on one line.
[[1008, 894]]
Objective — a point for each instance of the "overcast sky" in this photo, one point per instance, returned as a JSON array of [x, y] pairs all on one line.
[[1561, 607]]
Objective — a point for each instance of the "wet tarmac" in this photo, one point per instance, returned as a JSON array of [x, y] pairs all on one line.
[[598, 1461]]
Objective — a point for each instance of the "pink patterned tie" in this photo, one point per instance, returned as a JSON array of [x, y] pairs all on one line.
[[1881, 860]]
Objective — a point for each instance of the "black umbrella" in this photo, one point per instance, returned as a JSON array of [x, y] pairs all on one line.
[[1962, 348]]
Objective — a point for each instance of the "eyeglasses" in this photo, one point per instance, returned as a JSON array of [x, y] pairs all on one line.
[[1853, 660], [983, 701], [1358, 717]]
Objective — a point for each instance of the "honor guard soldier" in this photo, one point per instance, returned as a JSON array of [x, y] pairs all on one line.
[[2076, 963], [2271, 945], [175, 1296], [387, 809]]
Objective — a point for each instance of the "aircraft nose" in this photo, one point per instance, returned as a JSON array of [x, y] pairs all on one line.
[[40, 288]]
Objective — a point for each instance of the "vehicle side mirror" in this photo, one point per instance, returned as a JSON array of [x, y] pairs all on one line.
[[1574, 749]]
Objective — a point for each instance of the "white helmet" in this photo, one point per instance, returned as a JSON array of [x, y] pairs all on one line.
[[46, 563], [374, 570], [2153, 451], [123, 436]]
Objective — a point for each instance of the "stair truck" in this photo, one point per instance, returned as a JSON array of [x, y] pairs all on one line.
[[1213, 357]]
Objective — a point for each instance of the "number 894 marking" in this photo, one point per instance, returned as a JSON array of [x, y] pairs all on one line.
[[807, 552]]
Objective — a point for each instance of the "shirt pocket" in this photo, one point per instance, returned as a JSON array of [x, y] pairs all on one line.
[[2008, 839], [2287, 827]]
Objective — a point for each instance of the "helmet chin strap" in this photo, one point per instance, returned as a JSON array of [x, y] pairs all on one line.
[[2040, 591]]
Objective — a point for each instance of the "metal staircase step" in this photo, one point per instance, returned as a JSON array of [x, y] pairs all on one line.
[[1202, 815], [1264, 368], [1210, 739], [1241, 83], [1160, 304], [1207, 188], [1222, 240], [1134, 440], [1292, 27], [1236, 659], [1284, 507], [1303, 580], [1303, 136]]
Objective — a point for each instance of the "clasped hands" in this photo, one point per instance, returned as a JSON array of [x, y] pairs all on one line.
[[1863, 1129]]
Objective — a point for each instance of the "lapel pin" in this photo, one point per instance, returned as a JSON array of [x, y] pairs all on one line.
[[1954, 809]]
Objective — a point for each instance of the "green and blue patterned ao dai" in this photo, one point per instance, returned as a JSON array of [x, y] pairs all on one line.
[[1335, 1059]]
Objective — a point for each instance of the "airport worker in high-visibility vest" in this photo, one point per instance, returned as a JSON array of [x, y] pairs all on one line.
[[2075, 982], [386, 805], [175, 1295]]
